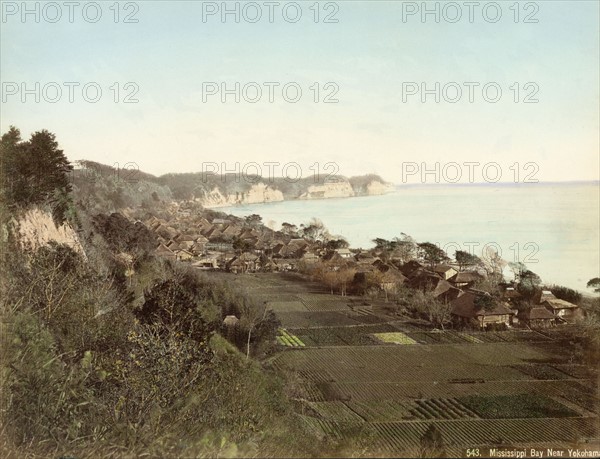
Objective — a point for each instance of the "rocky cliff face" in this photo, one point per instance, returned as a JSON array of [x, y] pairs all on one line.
[[261, 193], [36, 229], [339, 189], [258, 193], [376, 188]]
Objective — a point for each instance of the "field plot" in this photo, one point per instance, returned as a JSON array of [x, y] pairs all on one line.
[[381, 410], [315, 302], [286, 306], [315, 319], [516, 406], [512, 388], [342, 336], [541, 371], [335, 411], [288, 339], [400, 437], [412, 363], [394, 338]]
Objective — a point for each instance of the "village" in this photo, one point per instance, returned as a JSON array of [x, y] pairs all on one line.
[[213, 241]]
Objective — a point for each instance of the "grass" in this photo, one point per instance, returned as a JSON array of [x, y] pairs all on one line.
[[395, 338], [516, 406], [288, 339], [470, 338]]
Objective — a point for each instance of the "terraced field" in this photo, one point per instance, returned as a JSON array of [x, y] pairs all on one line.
[[356, 376]]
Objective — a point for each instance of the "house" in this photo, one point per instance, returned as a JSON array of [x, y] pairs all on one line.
[[187, 245], [542, 296], [168, 232], [344, 253], [445, 271], [412, 268], [465, 311], [231, 321], [537, 317], [183, 255], [219, 246], [246, 262], [424, 281], [391, 279], [561, 309], [296, 248], [266, 264], [206, 263], [174, 245], [465, 279], [365, 258], [184, 238], [231, 231], [163, 251], [212, 233], [286, 264], [510, 294]]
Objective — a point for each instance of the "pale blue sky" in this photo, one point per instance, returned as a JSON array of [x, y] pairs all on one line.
[[369, 53]]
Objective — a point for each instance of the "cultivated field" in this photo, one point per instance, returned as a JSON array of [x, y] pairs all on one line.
[[360, 372]]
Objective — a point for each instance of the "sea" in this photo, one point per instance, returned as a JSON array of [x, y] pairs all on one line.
[[553, 228]]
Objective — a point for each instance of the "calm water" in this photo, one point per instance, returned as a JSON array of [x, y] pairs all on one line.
[[552, 228]]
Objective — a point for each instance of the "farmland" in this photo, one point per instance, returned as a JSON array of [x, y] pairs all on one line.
[[360, 373]]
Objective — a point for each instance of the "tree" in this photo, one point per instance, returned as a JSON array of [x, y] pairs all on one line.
[[404, 248], [34, 172], [517, 268], [315, 231], [432, 254], [180, 304], [259, 321], [253, 220], [493, 263], [528, 284], [289, 229], [335, 244], [566, 293], [432, 443], [466, 259], [381, 244], [484, 302], [123, 235], [425, 304], [241, 245], [595, 284]]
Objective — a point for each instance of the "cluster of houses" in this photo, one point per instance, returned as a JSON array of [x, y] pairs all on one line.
[[234, 245], [467, 305], [229, 244]]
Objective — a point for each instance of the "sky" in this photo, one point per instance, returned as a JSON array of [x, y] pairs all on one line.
[[370, 60]]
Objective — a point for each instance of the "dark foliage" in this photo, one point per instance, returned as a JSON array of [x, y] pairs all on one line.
[[566, 293], [122, 235], [34, 172]]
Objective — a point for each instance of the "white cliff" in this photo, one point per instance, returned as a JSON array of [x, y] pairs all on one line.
[[338, 189], [258, 193], [36, 229]]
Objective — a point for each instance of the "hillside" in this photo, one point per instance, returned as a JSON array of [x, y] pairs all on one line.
[[130, 187]]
